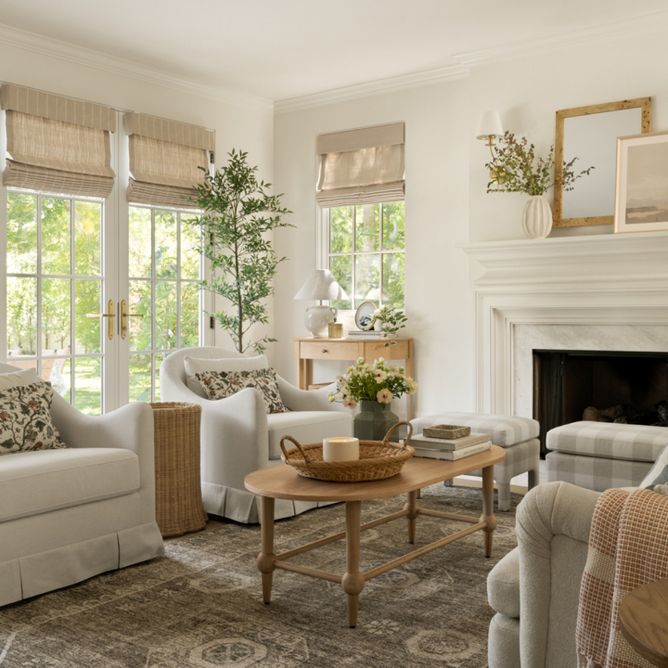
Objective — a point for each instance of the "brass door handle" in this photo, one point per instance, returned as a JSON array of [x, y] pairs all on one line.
[[110, 315], [124, 318]]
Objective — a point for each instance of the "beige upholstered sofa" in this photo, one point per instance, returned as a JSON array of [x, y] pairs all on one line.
[[541, 577], [68, 514]]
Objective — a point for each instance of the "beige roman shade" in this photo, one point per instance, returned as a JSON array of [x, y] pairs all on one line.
[[56, 144], [361, 166], [166, 159]]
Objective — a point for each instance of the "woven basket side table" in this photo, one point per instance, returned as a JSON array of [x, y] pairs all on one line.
[[178, 493]]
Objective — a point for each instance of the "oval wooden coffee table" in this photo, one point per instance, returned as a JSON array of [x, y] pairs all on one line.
[[282, 482]]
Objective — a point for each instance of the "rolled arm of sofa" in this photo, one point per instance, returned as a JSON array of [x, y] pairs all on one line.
[[553, 523]]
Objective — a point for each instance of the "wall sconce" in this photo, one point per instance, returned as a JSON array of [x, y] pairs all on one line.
[[490, 129]]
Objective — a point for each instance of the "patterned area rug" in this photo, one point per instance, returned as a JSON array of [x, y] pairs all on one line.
[[200, 605]]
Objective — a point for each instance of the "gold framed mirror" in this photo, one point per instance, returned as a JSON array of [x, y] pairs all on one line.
[[590, 134]]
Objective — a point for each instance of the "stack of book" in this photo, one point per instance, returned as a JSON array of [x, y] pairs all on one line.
[[450, 448]]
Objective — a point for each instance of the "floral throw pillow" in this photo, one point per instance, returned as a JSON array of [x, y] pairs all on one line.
[[25, 419], [221, 384]]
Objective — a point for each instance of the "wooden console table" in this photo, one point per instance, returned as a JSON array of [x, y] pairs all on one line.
[[308, 349]]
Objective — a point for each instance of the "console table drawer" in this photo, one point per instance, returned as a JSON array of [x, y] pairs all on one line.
[[333, 350], [389, 350]]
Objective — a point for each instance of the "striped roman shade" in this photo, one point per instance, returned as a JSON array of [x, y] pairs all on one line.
[[361, 166], [166, 159], [55, 144]]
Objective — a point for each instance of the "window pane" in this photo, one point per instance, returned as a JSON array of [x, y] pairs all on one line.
[[57, 372], [341, 267], [367, 278], [140, 242], [87, 302], [140, 302], [140, 377], [21, 233], [393, 279], [341, 229], [165, 315], [21, 316], [55, 315], [393, 226], [190, 247], [367, 228], [87, 238], [88, 385], [157, 361], [165, 244], [189, 314], [55, 236]]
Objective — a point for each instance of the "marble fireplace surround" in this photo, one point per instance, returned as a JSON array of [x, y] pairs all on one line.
[[602, 292]]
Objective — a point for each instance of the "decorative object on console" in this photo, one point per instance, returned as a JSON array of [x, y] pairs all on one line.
[[238, 214], [591, 132], [390, 319], [364, 315], [514, 167], [373, 386], [320, 285], [335, 330], [641, 202]]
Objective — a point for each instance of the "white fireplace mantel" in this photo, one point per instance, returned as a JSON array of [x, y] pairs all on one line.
[[603, 281]]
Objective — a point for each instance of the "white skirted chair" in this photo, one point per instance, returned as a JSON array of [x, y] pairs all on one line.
[[238, 436], [67, 514]]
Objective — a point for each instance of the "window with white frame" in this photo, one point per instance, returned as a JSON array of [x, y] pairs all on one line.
[[366, 252]]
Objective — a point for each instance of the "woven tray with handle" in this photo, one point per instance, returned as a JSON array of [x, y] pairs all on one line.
[[378, 459]]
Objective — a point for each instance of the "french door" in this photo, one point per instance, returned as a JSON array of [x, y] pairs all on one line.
[[95, 306]]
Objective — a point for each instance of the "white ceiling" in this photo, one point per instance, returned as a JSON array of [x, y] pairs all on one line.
[[287, 48]]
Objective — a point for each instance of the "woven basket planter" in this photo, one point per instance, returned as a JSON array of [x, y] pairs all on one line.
[[178, 493]]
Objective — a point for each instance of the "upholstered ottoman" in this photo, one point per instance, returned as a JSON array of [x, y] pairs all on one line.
[[599, 455], [518, 435]]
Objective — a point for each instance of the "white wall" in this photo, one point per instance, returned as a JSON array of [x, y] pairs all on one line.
[[239, 121], [446, 203]]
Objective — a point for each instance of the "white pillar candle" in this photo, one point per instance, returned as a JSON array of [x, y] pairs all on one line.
[[340, 448]]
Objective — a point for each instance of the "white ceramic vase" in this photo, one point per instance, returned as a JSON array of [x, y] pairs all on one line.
[[537, 217]]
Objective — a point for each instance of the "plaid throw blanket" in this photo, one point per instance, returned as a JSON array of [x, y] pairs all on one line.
[[628, 547]]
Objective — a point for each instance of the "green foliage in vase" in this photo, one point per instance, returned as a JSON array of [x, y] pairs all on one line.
[[239, 214], [391, 319], [514, 168]]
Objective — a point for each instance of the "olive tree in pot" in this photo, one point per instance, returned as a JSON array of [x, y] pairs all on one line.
[[239, 215]]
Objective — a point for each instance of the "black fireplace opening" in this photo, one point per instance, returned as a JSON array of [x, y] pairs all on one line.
[[605, 386]]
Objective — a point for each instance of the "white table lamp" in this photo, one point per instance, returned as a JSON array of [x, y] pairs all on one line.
[[320, 285]]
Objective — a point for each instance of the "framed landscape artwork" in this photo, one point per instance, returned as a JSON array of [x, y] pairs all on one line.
[[641, 202]]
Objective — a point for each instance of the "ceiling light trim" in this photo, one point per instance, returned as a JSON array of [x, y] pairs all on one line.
[[90, 58]]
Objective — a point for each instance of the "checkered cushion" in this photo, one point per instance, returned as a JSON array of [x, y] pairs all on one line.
[[519, 458], [628, 442], [503, 430], [597, 473]]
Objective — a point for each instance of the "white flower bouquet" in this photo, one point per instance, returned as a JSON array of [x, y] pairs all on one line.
[[372, 382]]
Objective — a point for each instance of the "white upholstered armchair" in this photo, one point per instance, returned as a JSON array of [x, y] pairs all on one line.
[[237, 435]]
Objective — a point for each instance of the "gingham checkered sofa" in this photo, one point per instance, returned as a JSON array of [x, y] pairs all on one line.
[[600, 455], [518, 435]]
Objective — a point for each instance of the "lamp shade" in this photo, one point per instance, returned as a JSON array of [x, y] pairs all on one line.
[[490, 125], [321, 285]]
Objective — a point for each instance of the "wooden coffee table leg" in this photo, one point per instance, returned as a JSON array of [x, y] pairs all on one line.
[[266, 558], [353, 581], [411, 507], [488, 507]]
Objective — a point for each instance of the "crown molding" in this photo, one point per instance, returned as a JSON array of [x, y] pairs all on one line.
[[629, 27], [376, 87], [466, 61], [90, 58]]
